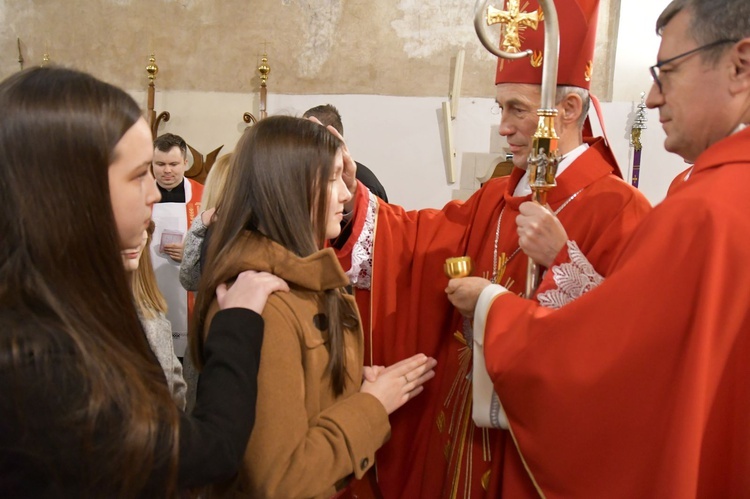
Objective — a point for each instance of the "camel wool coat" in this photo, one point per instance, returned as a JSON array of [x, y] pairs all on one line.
[[306, 441]]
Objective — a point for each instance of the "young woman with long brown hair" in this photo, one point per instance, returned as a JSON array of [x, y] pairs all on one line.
[[84, 407], [318, 424]]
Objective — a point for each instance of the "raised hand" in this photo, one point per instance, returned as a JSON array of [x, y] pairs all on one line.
[[350, 167]]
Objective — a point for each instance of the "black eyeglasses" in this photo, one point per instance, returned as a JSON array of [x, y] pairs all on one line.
[[655, 68]]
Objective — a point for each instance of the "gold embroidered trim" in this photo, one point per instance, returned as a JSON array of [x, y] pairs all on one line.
[[536, 59], [589, 72]]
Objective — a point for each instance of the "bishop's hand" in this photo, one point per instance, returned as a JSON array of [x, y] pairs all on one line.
[[540, 234], [464, 293], [350, 167]]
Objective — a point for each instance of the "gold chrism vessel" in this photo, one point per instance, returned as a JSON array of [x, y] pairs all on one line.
[[460, 266]]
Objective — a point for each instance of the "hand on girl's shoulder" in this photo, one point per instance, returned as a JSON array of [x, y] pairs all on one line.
[[250, 290]]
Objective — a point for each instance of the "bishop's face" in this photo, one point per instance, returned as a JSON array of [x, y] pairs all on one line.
[[518, 118]]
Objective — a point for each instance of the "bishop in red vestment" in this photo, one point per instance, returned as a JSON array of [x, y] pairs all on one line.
[[396, 259]]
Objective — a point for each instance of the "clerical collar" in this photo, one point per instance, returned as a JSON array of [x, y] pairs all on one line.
[[739, 128], [523, 188], [176, 195]]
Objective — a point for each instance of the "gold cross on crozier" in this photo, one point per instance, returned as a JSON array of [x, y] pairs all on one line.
[[513, 20]]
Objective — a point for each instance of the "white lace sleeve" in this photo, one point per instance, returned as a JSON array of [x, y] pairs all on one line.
[[573, 279], [360, 273]]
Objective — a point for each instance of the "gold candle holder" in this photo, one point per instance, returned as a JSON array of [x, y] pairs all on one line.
[[460, 266]]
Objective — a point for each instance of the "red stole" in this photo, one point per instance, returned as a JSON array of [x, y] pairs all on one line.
[[192, 210]]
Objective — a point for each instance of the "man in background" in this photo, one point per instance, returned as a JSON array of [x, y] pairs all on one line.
[[179, 205]]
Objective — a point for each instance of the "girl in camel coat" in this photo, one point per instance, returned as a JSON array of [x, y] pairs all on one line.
[[317, 423]]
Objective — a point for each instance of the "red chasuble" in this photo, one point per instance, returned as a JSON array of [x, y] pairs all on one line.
[[641, 388], [679, 179], [435, 449]]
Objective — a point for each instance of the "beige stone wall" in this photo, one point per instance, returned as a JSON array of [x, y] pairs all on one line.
[[384, 47]]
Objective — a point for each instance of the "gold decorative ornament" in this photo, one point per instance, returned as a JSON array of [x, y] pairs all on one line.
[[589, 71], [514, 22], [536, 59], [153, 120], [152, 69], [486, 479], [264, 69], [441, 421]]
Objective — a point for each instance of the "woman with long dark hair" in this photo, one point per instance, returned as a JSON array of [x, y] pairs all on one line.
[[85, 410], [318, 424]]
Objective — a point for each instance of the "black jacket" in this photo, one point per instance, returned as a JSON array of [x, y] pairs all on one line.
[[42, 452]]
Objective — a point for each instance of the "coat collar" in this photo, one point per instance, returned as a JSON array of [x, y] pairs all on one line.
[[320, 271]]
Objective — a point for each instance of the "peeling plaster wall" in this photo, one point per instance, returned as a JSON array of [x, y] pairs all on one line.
[[314, 46], [386, 65], [388, 47]]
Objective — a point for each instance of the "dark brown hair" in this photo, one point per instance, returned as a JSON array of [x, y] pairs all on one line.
[[60, 263], [710, 21], [278, 176], [328, 115], [167, 141]]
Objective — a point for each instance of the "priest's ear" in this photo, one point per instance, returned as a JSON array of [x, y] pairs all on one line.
[[740, 59]]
